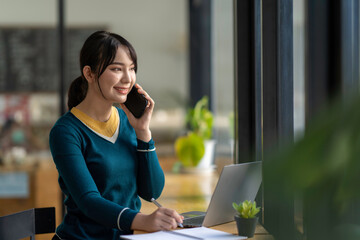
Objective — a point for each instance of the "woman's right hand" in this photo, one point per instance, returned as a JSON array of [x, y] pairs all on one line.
[[161, 219], [141, 125]]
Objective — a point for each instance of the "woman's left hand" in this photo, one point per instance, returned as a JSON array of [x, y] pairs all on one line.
[[142, 124]]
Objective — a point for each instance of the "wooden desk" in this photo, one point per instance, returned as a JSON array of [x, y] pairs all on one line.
[[192, 192], [260, 232]]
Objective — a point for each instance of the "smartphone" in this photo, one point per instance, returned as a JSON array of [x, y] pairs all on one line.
[[136, 102]]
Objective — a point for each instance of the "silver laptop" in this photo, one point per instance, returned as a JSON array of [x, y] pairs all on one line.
[[237, 183]]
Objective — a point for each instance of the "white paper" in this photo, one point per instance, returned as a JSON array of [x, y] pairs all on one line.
[[188, 233], [156, 235], [208, 233]]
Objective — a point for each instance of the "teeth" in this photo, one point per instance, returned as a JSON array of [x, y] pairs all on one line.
[[121, 90]]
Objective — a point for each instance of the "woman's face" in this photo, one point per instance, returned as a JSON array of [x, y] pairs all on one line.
[[119, 77]]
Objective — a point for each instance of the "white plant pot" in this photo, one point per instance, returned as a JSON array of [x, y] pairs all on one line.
[[206, 164], [207, 161]]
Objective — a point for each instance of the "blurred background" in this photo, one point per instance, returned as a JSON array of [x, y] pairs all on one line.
[[186, 49], [30, 72], [33, 83], [159, 31]]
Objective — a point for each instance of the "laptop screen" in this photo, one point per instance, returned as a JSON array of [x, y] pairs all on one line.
[[237, 183]]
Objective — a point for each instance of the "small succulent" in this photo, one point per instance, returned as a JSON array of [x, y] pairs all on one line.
[[246, 209]]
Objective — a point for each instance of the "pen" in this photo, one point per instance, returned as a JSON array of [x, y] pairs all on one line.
[[159, 205]]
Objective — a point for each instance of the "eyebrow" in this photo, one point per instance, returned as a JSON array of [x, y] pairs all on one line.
[[119, 63]]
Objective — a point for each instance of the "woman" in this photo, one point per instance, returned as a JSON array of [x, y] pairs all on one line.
[[105, 156]]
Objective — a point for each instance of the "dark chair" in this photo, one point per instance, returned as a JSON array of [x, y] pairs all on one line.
[[27, 223]]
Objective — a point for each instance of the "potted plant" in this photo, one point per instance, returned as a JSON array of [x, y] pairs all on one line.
[[196, 149], [245, 218]]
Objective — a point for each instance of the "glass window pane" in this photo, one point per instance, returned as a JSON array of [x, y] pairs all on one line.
[[299, 68], [223, 78]]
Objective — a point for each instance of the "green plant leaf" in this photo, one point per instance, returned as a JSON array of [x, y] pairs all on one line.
[[235, 206], [200, 118], [246, 209], [190, 149]]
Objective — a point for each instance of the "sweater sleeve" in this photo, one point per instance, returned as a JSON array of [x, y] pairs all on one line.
[[150, 179], [65, 146]]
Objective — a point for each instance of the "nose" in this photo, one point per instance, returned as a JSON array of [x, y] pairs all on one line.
[[126, 78]]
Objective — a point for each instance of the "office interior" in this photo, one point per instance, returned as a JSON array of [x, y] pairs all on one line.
[[269, 67]]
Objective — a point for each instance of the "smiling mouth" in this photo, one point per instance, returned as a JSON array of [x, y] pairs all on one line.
[[122, 90]]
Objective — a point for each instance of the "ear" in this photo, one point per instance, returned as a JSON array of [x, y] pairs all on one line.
[[89, 75]]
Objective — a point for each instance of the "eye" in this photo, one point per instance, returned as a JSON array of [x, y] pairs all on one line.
[[132, 69], [116, 69]]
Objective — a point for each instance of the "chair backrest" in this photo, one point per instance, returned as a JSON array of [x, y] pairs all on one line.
[[27, 223]]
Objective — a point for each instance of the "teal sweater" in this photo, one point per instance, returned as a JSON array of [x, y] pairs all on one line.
[[102, 180]]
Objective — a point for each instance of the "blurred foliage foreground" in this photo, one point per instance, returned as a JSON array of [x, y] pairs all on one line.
[[323, 170]]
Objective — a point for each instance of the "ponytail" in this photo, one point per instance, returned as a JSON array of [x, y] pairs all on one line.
[[77, 92]]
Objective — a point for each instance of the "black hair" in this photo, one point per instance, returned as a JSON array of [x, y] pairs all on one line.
[[98, 52]]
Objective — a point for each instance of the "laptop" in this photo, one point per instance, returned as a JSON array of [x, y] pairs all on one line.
[[237, 183]]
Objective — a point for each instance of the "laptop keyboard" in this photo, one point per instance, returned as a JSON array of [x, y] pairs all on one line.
[[193, 222]]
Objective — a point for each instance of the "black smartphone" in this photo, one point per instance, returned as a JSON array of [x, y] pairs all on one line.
[[136, 102]]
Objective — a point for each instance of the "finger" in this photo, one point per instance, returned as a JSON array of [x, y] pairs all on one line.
[[172, 213], [165, 227], [139, 89], [167, 220], [143, 92], [169, 223], [137, 85]]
